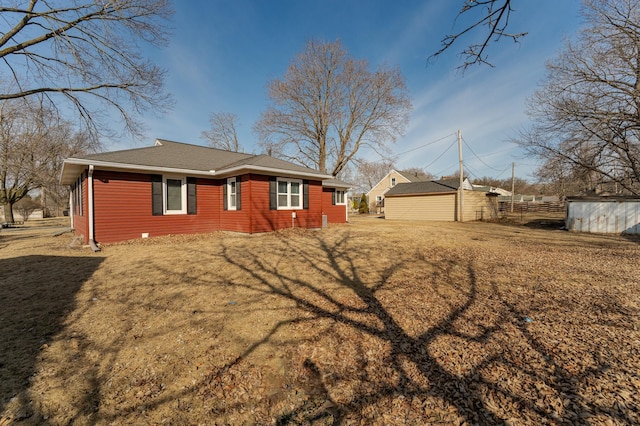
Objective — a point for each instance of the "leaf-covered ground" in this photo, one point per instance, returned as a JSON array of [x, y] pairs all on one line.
[[374, 322]]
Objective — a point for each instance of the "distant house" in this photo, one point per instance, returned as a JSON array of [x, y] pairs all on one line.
[[494, 189], [177, 188], [377, 193], [438, 201], [606, 215]]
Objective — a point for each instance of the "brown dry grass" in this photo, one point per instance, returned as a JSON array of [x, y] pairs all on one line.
[[373, 322]]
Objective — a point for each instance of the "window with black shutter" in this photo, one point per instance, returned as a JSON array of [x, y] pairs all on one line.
[[156, 195]]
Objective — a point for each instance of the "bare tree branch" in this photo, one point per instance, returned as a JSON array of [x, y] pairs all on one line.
[[81, 51], [493, 14]]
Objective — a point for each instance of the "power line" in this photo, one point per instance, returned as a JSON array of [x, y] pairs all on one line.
[[480, 159], [439, 156], [427, 144]]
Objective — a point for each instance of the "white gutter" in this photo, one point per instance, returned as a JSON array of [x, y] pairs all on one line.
[[92, 242], [138, 167]]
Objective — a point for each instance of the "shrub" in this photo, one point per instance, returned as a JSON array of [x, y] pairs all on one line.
[[364, 206]]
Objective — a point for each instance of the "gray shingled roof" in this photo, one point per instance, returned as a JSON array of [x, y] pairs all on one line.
[[424, 187], [172, 154], [268, 162], [182, 156]]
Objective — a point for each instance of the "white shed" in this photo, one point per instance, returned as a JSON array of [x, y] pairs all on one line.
[[606, 215]]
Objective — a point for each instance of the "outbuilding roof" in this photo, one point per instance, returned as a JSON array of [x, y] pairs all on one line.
[[601, 198], [425, 187]]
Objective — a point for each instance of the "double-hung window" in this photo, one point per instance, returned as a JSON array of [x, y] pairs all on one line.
[[340, 198], [232, 194], [175, 195], [290, 194]]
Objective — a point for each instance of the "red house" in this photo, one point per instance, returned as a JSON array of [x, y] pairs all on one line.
[[177, 188]]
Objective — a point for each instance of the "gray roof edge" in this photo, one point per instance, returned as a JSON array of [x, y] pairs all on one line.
[[336, 183]]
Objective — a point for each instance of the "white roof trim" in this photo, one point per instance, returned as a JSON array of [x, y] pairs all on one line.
[[126, 166], [272, 171]]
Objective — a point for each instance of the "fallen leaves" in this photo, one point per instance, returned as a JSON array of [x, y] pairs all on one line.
[[370, 323]]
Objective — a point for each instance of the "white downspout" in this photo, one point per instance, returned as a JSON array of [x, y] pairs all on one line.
[[71, 208], [92, 242], [346, 207]]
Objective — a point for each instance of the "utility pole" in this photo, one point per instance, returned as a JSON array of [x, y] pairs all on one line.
[[513, 183], [461, 204]]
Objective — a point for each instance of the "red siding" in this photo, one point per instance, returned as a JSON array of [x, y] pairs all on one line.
[[237, 220], [335, 213], [122, 208], [263, 219]]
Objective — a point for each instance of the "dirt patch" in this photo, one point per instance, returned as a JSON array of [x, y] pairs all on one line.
[[374, 322]]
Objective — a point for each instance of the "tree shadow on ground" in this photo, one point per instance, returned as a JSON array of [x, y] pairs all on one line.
[[36, 295], [425, 335], [549, 224], [634, 238], [475, 360]]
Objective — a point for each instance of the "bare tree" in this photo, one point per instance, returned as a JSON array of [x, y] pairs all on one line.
[[33, 143], [492, 14], [67, 142], [587, 112], [369, 173], [561, 178], [329, 105], [223, 132], [85, 55], [26, 206]]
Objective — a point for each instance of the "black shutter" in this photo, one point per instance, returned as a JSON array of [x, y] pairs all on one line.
[[333, 196], [238, 194], [273, 193], [191, 195], [156, 195], [224, 194], [305, 194]]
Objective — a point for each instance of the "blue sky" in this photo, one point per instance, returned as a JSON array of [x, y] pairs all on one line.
[[222, 54]]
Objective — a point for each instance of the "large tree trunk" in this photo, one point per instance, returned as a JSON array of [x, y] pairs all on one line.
[[8, 212]]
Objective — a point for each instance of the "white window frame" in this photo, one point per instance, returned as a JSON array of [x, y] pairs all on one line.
[[183, 194], [289, 206], [393, 181], [341, 194], [230, 181]]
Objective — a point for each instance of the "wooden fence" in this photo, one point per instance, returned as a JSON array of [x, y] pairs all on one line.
[[532, 207]]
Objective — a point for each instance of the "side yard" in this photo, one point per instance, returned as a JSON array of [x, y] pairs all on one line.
[[373, 322]]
